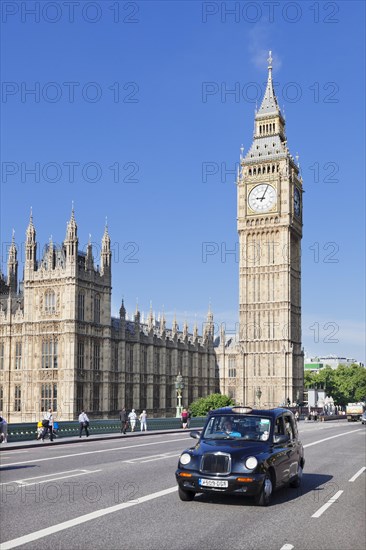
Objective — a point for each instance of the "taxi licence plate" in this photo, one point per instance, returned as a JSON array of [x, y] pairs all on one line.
[[213, 483]]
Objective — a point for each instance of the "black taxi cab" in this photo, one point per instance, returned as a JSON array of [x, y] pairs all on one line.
[[242, 451]]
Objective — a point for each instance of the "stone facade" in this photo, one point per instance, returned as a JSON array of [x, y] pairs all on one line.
[[264, 364], [60, 347]]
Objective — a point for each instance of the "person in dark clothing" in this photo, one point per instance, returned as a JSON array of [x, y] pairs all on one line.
[[124, 420], [47, 425], [189, 418]]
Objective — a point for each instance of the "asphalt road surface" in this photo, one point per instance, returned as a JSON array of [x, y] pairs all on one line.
[[121, 494]]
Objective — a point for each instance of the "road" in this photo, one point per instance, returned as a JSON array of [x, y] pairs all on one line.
[[121, 494]]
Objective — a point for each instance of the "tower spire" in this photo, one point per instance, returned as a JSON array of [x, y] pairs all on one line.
[[13, 265], [269, 104], [106, 250], [30, 245]]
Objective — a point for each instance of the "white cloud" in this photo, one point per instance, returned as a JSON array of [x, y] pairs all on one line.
[[259, 44]]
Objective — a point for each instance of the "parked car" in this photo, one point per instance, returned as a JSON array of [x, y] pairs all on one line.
[[242, 451], [363, 418]]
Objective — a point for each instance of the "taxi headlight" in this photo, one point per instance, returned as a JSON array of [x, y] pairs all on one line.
[[185, 458], [251, 463]]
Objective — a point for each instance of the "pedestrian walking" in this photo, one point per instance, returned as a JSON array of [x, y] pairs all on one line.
[[3, 430], [47, 424], [184, 417], [124, 420], [143, 421], [83, 423], [189, 418], [132, 418]]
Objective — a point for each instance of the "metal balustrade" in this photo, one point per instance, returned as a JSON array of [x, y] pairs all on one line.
[[28, 431]]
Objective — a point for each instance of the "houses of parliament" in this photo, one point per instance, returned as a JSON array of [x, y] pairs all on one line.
[[60, 347]]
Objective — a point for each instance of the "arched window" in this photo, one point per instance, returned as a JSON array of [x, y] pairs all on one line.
[[50, 301], [81, 306], [49, 354], [97, 308]]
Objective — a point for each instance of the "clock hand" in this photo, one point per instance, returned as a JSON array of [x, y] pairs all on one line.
[[265, 191]]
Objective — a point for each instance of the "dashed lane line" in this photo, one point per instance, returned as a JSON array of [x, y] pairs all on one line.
[[353, 478], [327, 504], [119, 449], [55, 476], [36, 535]]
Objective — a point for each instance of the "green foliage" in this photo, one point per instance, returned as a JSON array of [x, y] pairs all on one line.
[[213, 401], [345, 384]]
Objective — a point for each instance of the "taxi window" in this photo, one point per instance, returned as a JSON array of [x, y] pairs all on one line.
[[289, 428], [279, 428], [231, 426]]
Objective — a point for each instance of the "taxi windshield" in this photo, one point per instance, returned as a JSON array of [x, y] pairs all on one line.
[[231, 426]]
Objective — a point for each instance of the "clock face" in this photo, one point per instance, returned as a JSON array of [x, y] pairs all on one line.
[[262, 197], [297, 202]]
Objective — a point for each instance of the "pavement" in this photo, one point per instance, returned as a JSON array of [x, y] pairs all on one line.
[[12, 445]]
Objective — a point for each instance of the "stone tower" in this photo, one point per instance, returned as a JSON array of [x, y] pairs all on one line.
[[263, 366], [270, 232]]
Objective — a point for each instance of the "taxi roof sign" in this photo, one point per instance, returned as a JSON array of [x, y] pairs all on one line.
[[242, 410]]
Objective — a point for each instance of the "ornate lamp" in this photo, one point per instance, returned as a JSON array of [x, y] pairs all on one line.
[[179, 386]]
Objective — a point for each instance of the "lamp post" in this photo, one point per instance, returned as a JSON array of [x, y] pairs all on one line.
[[258, 394], [179, 385]]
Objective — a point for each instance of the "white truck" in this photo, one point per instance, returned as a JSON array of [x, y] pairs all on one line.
[[354, 411]]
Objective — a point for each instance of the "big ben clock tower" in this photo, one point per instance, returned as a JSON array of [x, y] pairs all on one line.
[[270, 365]]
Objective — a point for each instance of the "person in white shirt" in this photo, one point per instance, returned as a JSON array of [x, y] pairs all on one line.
[[143, 421], [48, 425], [83, 423], [132, 418]]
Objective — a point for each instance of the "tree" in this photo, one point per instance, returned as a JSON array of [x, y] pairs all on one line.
[[346, 384], [202, 406]]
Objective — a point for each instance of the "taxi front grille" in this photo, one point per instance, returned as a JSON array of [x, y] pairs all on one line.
[[216, 463]]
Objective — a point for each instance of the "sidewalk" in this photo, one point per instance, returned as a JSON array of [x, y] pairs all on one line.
[[75, 439]]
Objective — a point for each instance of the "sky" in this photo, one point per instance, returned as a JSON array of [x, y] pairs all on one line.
[[135, 112]]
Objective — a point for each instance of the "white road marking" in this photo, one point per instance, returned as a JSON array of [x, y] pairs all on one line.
[[327, 504], [3, 455], [328, 438], [90, 452], [151, 458], [353, 478], [36, 535], [287, 547], [53, 477]]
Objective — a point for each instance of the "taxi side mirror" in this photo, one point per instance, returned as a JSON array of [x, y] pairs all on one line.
[[280, 439], [195, 434]]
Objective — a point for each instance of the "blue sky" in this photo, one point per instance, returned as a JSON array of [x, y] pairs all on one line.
[[132, 119]]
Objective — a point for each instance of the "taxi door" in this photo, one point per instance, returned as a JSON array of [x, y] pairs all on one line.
[[285, 450]]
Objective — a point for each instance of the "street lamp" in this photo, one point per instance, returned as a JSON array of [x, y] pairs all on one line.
[[179, 386], [258, 394]]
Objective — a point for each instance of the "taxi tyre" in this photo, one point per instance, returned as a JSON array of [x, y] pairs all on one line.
[[186, 496], [263, 498], [296, 482]]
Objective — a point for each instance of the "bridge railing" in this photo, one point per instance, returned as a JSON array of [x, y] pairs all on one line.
[[28, 431]]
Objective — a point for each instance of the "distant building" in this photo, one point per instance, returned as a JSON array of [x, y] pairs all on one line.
[[60, 347], [329, 360]]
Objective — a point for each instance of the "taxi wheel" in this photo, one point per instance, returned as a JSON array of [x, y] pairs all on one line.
[[186, 496], [264, 496], [295, 483]]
